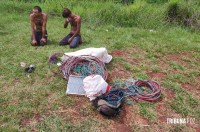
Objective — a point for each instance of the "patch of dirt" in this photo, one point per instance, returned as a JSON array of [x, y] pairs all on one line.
[[119, 53], [49, 79], [81, 109], [33, 120], [177, 58], [127, 119], [163, 108], [163, 64], [135, 50], [50, 99], [158, 75], [36, 118], [16, 81], [164, 111], [193, 88], [133, 61], [167, 93], [194, 123], [127, 56], [122, 127], [118, 73]]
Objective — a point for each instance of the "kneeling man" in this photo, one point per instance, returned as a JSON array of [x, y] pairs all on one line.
[[74, 37], [38, 22]]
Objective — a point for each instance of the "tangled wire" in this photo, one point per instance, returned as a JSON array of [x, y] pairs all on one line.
[[54, 58], [143, 90], [83, 66], [146, 90]]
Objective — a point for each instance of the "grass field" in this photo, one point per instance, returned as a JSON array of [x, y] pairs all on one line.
[[146, 47]]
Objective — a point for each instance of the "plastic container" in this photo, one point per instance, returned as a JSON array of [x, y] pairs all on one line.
[[75, 85]]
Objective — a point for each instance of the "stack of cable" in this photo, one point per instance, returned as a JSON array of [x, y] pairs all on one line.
[[145, 90], [83, 66], [141, 90]]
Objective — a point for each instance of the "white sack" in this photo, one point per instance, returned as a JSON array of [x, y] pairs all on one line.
[[95, 85], [100, 53]]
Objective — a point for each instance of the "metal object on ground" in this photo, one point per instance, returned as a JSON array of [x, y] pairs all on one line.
[[30, 69], [75, 85]]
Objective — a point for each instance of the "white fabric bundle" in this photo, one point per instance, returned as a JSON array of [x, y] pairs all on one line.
[[95, 85], [100, 53]]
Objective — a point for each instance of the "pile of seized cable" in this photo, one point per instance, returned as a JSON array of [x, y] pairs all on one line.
[[110, 104], [141, 90], [146, 90], [84, 65]]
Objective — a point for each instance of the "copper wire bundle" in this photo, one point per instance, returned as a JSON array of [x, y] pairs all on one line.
[[83, 66], [153, 95], [141, 90]]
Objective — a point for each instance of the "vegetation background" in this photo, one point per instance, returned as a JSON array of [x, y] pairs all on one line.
[[149, 39]]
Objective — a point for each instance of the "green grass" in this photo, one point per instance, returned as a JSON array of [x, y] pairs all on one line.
[[138, 29], [147, 110]]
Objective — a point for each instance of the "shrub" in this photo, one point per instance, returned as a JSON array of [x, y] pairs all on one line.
[[183, 13]]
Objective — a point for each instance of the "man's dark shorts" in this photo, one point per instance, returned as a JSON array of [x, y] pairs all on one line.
[[38, 37], [74, 43]]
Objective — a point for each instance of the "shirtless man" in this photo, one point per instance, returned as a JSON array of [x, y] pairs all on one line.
[[74, 37], [38, 22]]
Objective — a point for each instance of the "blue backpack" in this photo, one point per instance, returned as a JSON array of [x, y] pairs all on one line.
[[110, 104]]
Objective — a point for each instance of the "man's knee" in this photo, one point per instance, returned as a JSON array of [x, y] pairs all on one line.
[[33, 44], [62, 43], [42, 43], [73, 46]]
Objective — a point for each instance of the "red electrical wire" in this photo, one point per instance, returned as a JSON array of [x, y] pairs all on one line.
[[68, 66], [152, 85]]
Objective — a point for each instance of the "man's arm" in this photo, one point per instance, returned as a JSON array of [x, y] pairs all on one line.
[[66, 23], [34, 42], [32, 27], [44, 25]]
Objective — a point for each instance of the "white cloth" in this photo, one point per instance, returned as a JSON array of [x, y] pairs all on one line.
[[100, 53], [95, 85]]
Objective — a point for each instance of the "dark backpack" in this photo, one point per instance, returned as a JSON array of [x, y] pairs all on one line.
[[110, 104]]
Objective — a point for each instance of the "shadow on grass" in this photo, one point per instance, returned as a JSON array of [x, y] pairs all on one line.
[[2, 33], [52, 42]]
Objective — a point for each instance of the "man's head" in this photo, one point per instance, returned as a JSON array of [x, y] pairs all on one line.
[[66, 13], [37, 10]]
